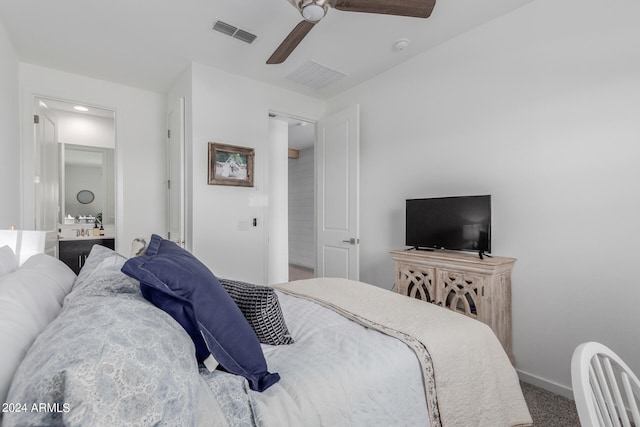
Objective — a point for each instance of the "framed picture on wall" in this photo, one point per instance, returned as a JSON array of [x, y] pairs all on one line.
[[230, 165]]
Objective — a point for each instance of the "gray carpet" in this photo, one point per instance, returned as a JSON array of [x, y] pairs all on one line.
[[548, 409]]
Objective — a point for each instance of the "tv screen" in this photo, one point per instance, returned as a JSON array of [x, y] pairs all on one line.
[[457, 223]]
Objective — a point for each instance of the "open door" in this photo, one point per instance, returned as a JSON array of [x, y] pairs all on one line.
[[46, 166], [175, 181], [338, 194]]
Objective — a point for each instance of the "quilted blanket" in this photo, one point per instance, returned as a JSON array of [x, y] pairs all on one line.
[[474, 381]]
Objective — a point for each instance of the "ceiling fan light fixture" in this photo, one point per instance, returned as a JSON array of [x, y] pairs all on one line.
[[313, 12]]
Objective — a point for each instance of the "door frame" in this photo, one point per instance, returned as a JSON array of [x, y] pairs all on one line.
[[317, 165], [30, 102], [179, 108], [283, 116]]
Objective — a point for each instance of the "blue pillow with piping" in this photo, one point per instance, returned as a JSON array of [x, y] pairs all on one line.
[[178, 283]]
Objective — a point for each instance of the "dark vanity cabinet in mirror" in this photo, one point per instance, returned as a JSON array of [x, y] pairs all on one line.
[[74, 253]]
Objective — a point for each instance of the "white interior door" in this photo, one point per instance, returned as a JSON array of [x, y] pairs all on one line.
[[46, 164], [338, 191], [175, 165]]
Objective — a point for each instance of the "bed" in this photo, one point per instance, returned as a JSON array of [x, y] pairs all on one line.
[[114, 346]]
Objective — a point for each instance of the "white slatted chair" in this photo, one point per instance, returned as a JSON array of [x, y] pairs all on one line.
[[606, 392]]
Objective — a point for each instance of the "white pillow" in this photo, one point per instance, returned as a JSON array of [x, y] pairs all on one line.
[[8, 261], [30, 298]]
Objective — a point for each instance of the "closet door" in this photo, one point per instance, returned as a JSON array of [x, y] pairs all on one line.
[[338, 194]]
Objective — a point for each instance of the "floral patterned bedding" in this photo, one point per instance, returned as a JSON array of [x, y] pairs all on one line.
[[110, 358]]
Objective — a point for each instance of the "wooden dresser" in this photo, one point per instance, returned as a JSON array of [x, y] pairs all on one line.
[[462, 282]]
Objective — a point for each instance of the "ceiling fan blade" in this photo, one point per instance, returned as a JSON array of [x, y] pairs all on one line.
[[413, 8], [290, 42]]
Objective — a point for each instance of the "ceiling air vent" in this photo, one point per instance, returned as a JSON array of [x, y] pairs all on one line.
[[234, 32], [314, 76], [245, 36]]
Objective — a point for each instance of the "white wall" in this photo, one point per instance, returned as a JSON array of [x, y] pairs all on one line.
[[233, 110], [9, 133], [83, 129], [302, 245], [540, 109], [140, 145]]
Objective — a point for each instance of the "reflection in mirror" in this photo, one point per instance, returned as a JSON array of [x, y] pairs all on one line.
[[88, 171], [85, 196]]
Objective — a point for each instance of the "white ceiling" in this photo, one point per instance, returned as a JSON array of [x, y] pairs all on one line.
[[302, 134], [57, 105], [148, 43]]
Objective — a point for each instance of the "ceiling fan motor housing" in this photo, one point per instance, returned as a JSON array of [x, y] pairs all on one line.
[[313, 10]]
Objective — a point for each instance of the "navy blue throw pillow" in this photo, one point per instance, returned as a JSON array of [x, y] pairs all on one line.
[[178, 283]]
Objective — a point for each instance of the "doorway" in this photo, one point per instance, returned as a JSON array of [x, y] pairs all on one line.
[[332, 238], [80, 194], [292, 250], [301, 189]]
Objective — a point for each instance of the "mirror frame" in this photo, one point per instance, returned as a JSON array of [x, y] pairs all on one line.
[[85, 197]]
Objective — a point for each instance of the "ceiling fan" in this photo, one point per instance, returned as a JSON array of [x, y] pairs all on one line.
[[314, 10]]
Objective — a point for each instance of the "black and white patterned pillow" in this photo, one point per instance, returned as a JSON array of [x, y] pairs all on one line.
[[260, 306]]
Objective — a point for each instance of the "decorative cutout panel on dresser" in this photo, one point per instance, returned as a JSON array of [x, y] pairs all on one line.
[[462, 282]]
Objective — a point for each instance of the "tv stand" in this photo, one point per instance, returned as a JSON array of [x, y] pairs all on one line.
[[482, 254], [462, 282]]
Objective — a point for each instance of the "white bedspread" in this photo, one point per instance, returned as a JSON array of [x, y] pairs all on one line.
[[339, 373], [475, 383]]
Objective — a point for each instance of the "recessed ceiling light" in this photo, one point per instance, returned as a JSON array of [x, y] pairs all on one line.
[[80, 108]]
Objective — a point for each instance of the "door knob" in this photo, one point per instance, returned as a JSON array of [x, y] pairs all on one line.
[[352, 241]]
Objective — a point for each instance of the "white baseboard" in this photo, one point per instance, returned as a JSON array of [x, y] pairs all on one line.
[[546, 384]]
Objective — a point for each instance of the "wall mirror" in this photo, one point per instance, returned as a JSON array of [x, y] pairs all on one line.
[[87, 185]]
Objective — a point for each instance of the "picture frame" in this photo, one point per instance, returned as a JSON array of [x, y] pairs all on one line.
[[230, 165]]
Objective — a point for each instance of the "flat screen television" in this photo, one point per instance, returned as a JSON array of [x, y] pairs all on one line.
[[457, 223]]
